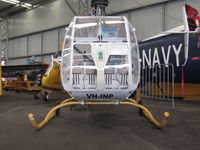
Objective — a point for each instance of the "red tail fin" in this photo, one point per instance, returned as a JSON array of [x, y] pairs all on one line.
[[192, 15]]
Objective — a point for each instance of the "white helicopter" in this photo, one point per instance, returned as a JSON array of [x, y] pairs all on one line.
[[100, 63], [100, 58]]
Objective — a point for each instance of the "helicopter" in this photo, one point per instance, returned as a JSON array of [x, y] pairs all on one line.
[[100, 63], [100, 58]]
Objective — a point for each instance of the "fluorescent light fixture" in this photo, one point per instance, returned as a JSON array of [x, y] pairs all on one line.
[[17, 2], [11, 1], [27, 5]]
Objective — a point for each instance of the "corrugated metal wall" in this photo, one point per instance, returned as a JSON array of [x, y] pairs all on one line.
[[27, 35], [35, 44], [48, 16], [148, 21], [41, 45]]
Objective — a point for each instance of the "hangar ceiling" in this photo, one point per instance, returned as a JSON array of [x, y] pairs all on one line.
[[9, 7], [115, 6]]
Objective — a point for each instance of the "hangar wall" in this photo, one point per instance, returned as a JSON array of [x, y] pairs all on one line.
[[39, 32]]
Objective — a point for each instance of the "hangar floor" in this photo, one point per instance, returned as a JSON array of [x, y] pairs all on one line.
[[106, 128]]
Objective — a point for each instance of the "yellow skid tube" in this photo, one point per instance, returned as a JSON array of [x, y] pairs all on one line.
[[52, 112]]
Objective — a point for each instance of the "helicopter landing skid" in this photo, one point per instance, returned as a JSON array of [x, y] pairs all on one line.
[[54, 111]]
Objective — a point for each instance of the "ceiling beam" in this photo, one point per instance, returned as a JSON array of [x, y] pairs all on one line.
[[73, 11], [13, 9]]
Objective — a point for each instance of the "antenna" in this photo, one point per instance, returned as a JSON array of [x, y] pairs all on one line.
[[100, 6]]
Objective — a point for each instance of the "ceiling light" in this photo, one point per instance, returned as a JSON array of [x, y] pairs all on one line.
[[27, 5], [17, 2], [11, 1]]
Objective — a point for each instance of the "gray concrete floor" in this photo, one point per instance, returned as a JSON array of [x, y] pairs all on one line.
[[106, 128]]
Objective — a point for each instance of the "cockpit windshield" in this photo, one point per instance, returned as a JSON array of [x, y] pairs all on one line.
[[113, 29], [86, 29], [100, 29]]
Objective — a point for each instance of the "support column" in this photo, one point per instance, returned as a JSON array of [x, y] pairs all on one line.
[[4, 38], [0, 62], [3, 45]]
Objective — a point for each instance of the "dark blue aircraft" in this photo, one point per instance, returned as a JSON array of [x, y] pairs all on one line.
[[179, 46]]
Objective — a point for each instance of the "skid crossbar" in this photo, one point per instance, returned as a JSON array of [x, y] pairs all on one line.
[[67, 102]]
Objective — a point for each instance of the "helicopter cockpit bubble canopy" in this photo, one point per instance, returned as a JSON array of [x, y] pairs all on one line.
[[100, 58]]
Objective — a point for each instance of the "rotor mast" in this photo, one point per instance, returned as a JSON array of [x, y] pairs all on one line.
[[100, 7]]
